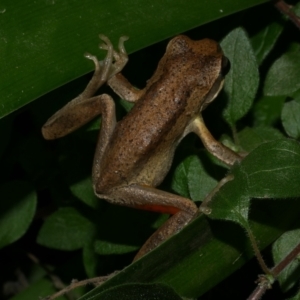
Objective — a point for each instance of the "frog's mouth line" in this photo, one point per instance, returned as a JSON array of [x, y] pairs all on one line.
[[214, 91]]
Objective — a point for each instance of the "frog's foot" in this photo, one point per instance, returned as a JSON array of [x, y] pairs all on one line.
[[120, 58], [112, 64]]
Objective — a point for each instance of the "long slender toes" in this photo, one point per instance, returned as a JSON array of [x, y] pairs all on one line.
[[107, 62], [93, 58], [106, 40], [121, 58], [121, 44], [104, 47]]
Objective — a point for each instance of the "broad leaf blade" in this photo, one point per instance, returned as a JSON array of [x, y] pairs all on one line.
[[42, 42], [291, 118], [283, 76], [66, 229], [272, 170], [232, 202], [139, 291], [267, 110], [264, 41], [242, 80], [250, 138]]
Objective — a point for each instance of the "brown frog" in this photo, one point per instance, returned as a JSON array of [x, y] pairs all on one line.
[[134, 155]]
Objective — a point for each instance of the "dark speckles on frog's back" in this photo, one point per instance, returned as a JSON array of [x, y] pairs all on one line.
[[149, 128]]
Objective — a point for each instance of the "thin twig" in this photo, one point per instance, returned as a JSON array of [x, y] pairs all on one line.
[[287, 10], [258, 292], [257, 252], [286, 261], [264, 283], [57, 282], [204, 205], [75, 284]]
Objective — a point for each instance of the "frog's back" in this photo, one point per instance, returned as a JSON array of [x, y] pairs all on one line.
[[143, 143]]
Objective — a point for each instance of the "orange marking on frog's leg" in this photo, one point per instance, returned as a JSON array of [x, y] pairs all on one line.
[[159, 208]]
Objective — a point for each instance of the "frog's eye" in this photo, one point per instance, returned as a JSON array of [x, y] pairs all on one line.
[[225, 67]]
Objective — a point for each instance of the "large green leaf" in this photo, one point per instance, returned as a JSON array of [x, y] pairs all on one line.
[[203, 253], [139, 292], [42, 42]]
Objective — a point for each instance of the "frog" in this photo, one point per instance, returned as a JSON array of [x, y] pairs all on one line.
[[133, 155]]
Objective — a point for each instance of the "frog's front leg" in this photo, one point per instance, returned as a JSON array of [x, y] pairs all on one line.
[[84, 108], [144, 197], [216, 148]]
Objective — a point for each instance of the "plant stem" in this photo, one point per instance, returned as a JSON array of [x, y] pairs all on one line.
[[258, 292], [286, 261], [257, 253], [234, 135], [287, 10], [75, 284], [204, 206], [264, 283]]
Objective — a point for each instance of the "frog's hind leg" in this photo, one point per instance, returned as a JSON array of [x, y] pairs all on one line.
[[85, 107], [183, 210]]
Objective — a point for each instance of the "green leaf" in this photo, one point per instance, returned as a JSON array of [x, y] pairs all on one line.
[[232, 202], [283, 76], [250, 138], [267, 110], [291, 118], [281, 248], [126, 105], [200, 181], [17, 208], [272, 170], [90, 260], [179, 181], [264, 41], [269, 171], [83, 190], [47, 50], [241, 82], [66, 229], [192, 178], [138, 291]]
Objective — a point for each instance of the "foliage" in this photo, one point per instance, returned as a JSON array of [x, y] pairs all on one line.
[[48, 209]]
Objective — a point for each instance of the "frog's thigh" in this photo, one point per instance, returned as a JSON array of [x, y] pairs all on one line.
[[149, 198], [77, 113]]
